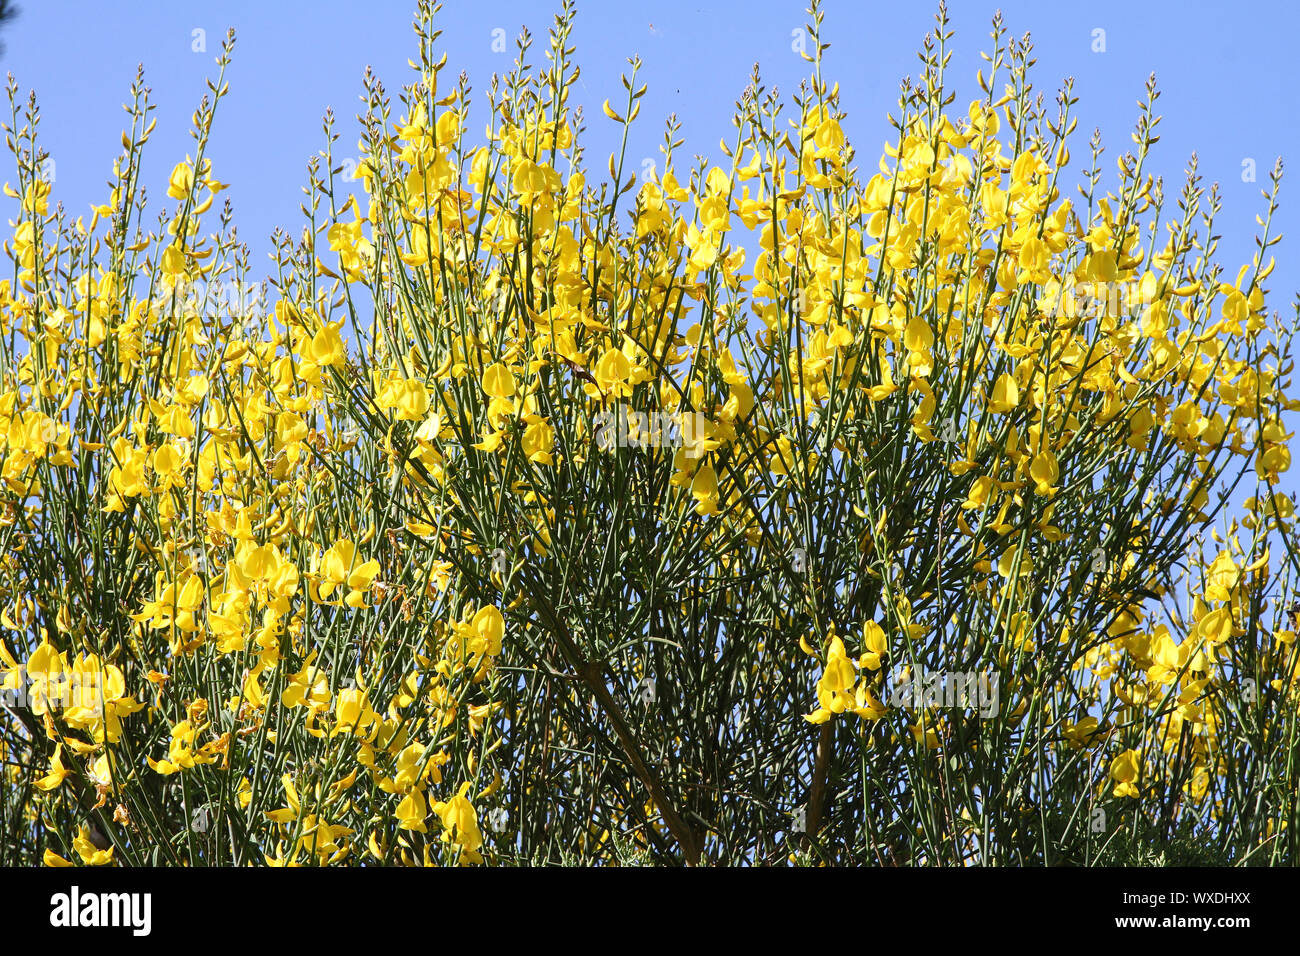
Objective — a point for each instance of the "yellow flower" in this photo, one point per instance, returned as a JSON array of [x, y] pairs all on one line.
[[835, 688], [489, 629], [1006, 395], [411, 812], [538, 440], [613, 371], [1035, 257], [704, 488], [1081, 733], [1216, 626], [341, 565], [181, 181], [918, 338], [325, 347], [51, 858], [1045, 473], [412, 400], [173, 261], [90, 854], [1125, 770], [497, 381], [46, 669], [978, 496], [58, 773], [353, 713], [459, 820], [876, 644]]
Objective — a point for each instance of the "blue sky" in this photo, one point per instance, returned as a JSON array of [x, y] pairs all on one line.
[[1228, 74], [1226, 71]]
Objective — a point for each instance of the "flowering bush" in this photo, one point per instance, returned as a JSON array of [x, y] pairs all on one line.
[[771, 509]]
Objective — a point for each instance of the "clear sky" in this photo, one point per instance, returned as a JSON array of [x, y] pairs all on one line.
[[1228, 72]]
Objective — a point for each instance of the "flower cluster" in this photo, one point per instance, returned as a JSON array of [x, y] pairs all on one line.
[[361, 580]]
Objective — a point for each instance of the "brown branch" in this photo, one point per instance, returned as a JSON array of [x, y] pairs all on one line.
[[821, 769], [591, 674]]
